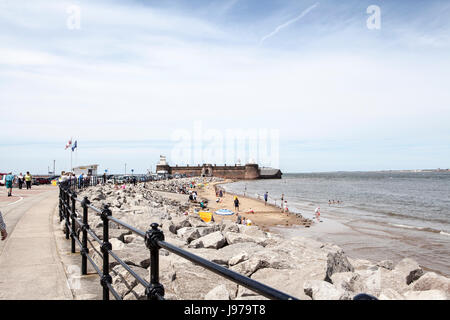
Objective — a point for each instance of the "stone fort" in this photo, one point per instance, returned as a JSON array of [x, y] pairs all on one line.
[[249, 171]]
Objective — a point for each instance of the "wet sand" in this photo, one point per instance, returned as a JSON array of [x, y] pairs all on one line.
[[264, 216]]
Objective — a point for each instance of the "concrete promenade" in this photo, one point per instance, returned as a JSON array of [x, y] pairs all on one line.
[[30, 264]]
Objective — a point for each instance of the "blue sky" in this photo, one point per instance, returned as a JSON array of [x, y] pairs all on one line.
[[340, 96]]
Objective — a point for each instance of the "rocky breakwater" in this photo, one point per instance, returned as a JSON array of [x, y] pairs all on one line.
[[175, 185], [301, 267]]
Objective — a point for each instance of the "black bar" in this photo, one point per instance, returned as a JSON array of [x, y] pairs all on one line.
[[73, 215], [84, 250], [66, 213], [105, 251]]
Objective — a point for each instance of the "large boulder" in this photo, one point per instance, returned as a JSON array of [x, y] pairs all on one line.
[[345, 280], [250, 266], [123, 282], [409, 270], [432, 281], [223, 255], [337, 262], [218, 293], [390, 294], [192, 282], [188, 233], [178, 223], [289, 281], [425, 295], [214, 240], [322, 290], [233, 238]]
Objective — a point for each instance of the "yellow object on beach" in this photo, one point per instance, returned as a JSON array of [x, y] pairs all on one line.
[[205, 215], [54, 183]]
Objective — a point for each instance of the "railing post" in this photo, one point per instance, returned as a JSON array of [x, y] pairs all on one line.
[[73, 216], [60, 203], [66, 211], [105, 247], [85, 249], [152, 237]]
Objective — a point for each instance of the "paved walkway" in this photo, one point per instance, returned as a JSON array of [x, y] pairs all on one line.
[[30, 266]]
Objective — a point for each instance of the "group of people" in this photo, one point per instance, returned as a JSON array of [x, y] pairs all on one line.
[[243, 220], [330, 202], [20, 179]]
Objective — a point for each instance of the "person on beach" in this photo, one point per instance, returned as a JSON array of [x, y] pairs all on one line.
[[20, 180], [236, 204], [3, 227], [238, 219], [285, 208], [317, 212], [244, 222], [220, 193], [9, 183], [266, 197], [28, 179]]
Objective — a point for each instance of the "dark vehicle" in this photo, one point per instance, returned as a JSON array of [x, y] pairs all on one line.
[[39, 181]]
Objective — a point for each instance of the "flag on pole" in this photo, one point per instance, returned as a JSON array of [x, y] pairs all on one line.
[[74, 145], [69, 144]]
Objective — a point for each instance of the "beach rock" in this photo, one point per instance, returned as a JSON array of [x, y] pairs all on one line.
[[238, 258], [337, 262], [368, 281], [432, 281], [188, 233], [192, 282], [409, 270], [390, 294], [218, 293], [214, 240], [322, 290], [233, 238], [387, 264], [179, 222], [206, 230], [289, 281], [425, 295], [123, 282], [345, 280], [250, 266], [223, 255], [196, 221]]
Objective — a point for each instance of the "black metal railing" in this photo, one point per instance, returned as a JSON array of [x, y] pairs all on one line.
[[154, 241]]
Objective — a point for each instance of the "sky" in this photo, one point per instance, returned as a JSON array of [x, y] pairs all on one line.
[[305, 86]]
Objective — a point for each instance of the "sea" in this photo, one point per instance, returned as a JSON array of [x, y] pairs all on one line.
[[380, 215]]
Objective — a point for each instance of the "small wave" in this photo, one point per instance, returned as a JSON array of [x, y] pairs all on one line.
[[419, 228]]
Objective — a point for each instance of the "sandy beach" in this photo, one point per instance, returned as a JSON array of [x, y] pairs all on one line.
[[264, 216]]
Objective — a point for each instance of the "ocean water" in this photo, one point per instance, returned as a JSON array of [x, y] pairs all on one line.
[[383, 215]]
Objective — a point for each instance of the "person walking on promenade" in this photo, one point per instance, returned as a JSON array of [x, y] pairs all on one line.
[[9, 179], [266, 197], [236, 204], [20, 180], [28, 180], [282, 203], [3, 227]]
